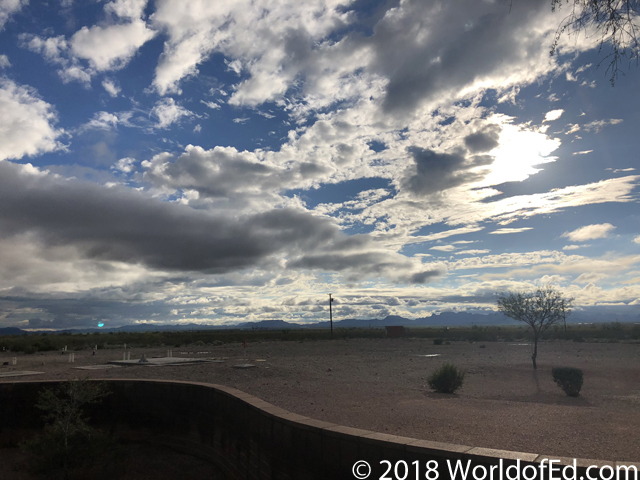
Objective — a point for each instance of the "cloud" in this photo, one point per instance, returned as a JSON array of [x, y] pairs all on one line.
[[129, 9], [111, 87], [272, 39], [443, 248], [110, 47], [125, 165], [101, 121], [243, 179], [553, 115], [505, 231], [572, 247], [4, 61], [589, 232], [598, 125], [8, 8], [583, 152], [356, 263], [637, 239], [212, 105], [483, 140], [432, 52], [573, 128], [27, 123], [472, 252], [435, 172], [590, 277], [168, 112], [120, 225], [106, 47], [56, 50]]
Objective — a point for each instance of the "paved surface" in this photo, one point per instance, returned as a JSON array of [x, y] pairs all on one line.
[[19, 373], [97, 367], [163, 361]]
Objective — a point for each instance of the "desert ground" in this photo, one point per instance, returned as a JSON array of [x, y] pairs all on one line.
[[380, 385]]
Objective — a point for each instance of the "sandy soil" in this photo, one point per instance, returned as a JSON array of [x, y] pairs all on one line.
[[380, 385]]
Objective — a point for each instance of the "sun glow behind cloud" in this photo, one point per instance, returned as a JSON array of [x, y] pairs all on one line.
[[521, 149]]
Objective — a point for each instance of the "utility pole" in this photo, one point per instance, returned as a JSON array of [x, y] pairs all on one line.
[[331, 315]]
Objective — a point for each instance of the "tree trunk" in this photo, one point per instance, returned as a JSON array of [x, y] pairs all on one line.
[[535, 350]]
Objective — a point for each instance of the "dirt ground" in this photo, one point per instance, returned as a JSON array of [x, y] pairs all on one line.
[[380, 385]]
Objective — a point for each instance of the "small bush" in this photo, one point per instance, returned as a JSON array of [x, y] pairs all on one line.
[[437, 341], [447, 379], [569, 379]]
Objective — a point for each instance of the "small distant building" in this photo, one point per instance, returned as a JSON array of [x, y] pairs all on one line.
[[395, 331]]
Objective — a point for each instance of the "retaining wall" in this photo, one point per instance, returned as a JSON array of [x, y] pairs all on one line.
[[252, 439]]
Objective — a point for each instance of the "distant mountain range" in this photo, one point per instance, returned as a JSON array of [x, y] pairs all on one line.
[[448, 319]]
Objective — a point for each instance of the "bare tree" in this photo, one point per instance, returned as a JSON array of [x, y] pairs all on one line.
[[539, 309], [615, 21]]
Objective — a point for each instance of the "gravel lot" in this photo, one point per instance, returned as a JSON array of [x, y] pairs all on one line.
[[380, 385]]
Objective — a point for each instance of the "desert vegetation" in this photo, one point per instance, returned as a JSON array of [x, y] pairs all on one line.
[[539, 309], [68, 442], [569, 379], [44, 342], [446, 379]]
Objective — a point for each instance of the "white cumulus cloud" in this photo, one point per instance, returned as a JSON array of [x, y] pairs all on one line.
[[167, 111], [27, 123], [553, 115], [590, 232], [111, 87], [111, 47]]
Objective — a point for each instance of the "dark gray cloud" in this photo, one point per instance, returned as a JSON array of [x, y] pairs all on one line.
[[227, 173], [123, 225], [428, 49], [119, 224], [483, 140], [356, 266], [435, 172]]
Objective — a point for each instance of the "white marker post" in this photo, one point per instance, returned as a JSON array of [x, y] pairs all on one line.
[[14, 360]]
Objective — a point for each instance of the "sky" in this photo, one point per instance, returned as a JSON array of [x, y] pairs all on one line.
[[219, 162]]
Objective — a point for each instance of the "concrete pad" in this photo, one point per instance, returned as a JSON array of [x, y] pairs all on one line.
[[18, 373], [244, 365], [430, 355], [158, 362], [96, 367]]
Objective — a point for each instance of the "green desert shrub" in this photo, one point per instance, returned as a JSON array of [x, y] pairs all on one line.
[[68, 442], [569, 379], [447, 379]]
